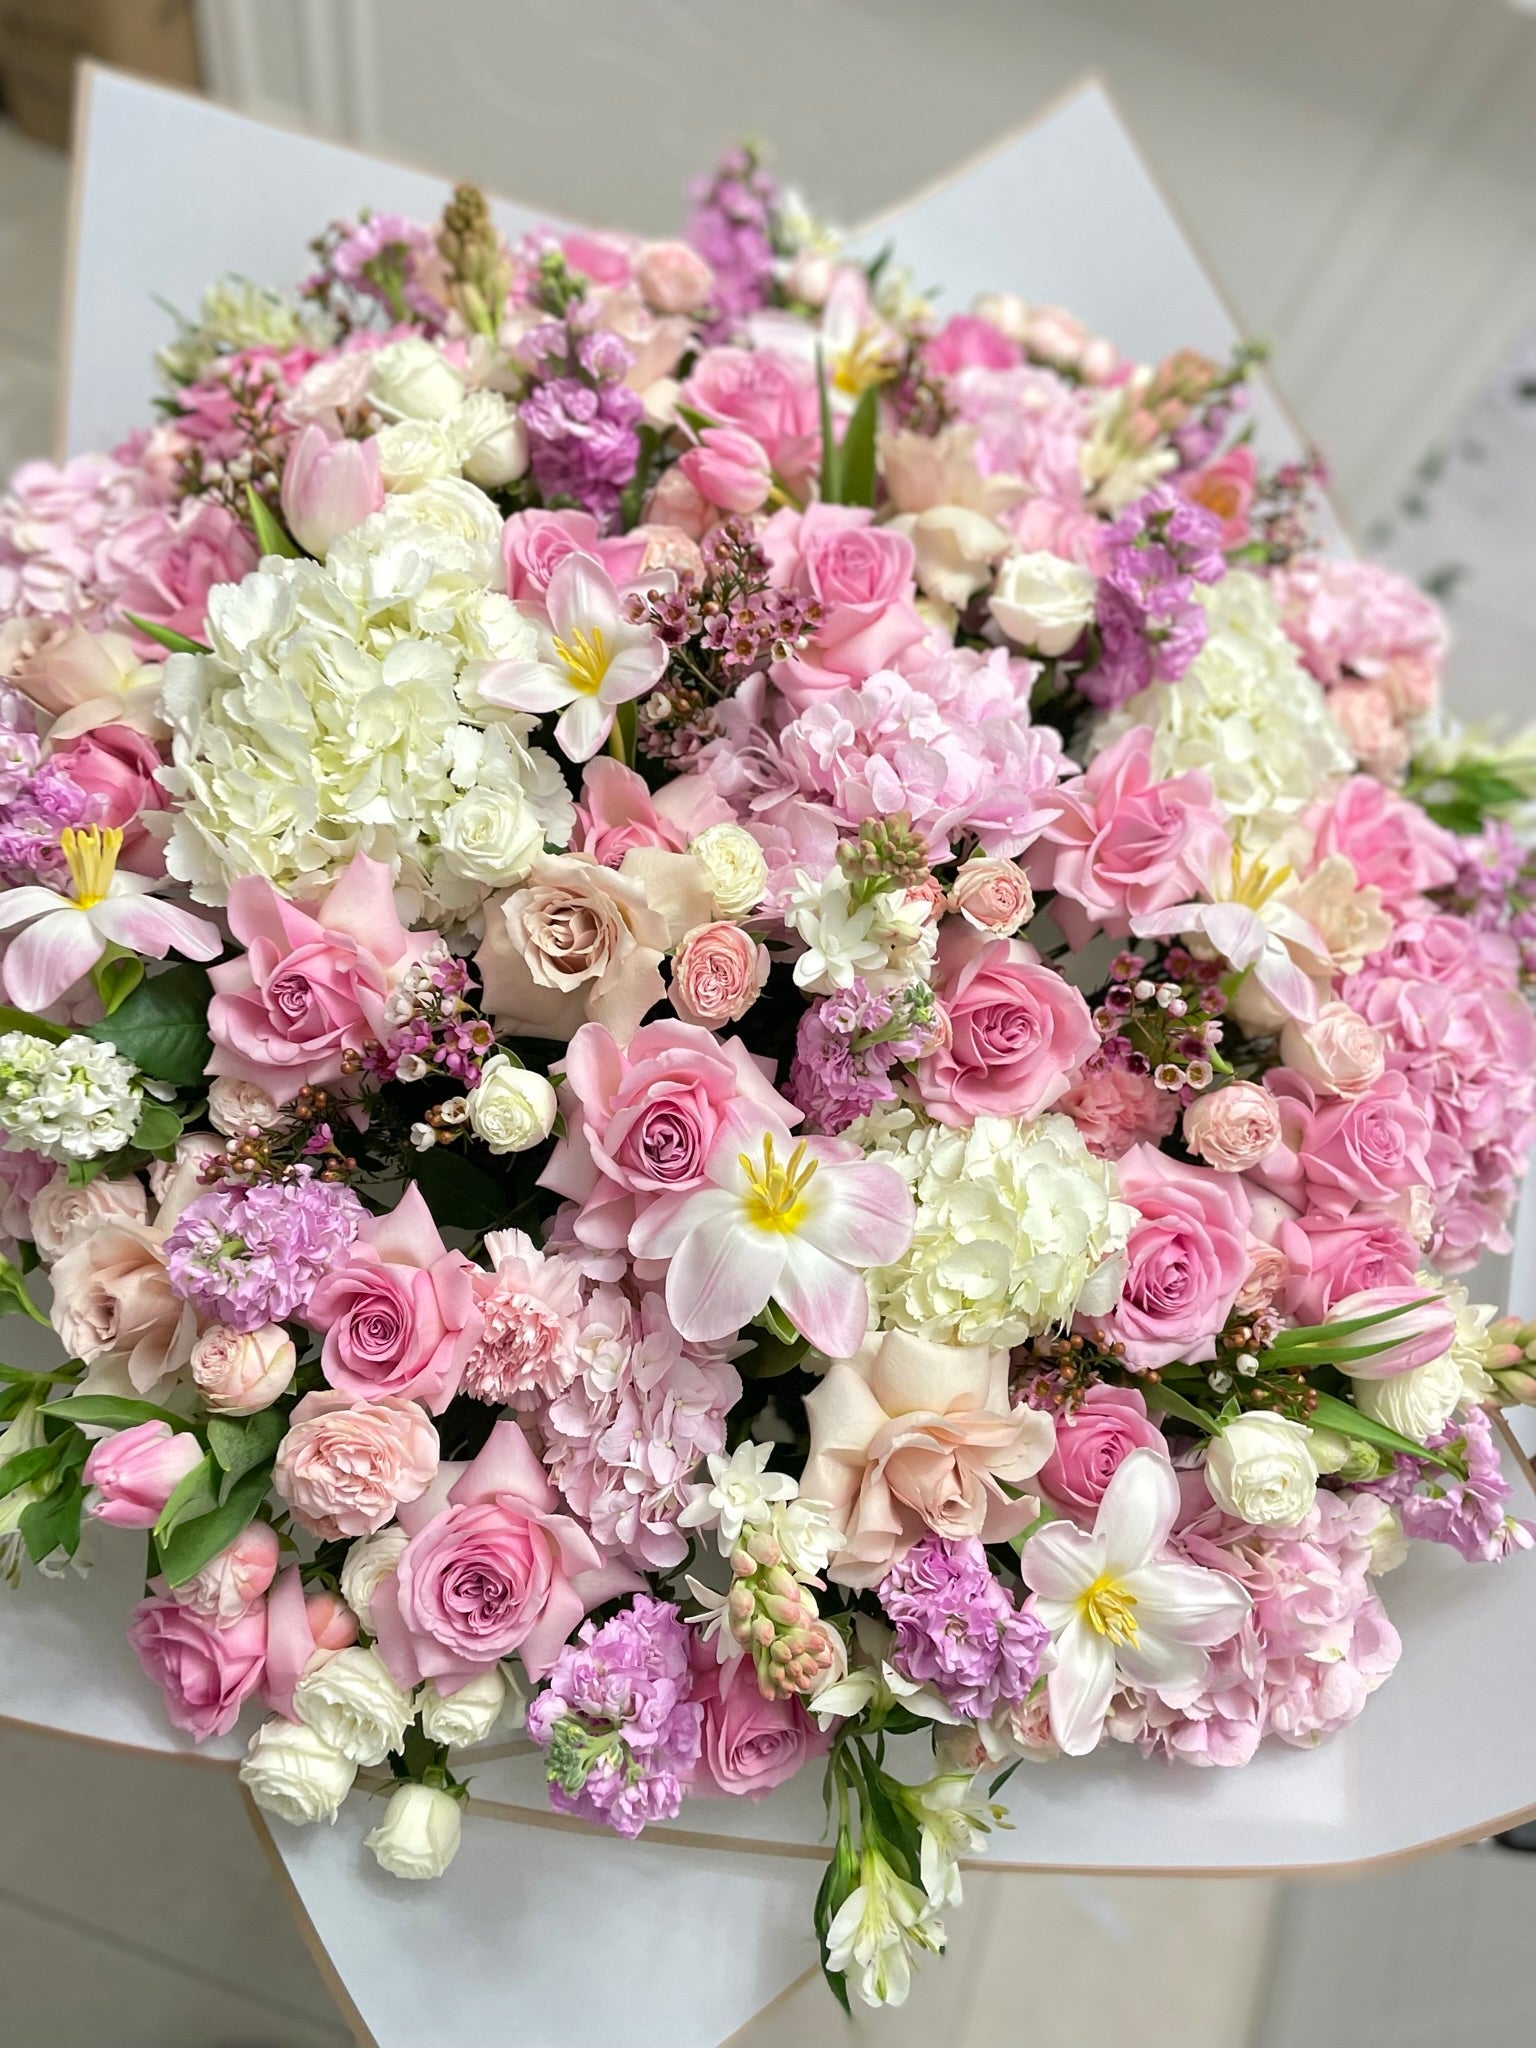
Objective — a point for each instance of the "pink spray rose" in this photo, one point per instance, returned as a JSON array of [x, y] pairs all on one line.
[[229, 1585], [993, 895], [770, 396], [328, 488], [1120, 844], [1328, 1257], [491, 1567], [345, 1467], [1017, 1031], [312, 985], [1336, 1154], [399, 1314], [206, 1672], [717, 973], [135, 1472], [673, 278], [729, 470], [302, 1633], [1392, 845], [864, 578], [1091, 1440], [1186, 1258], [239, 1372], [1225, 487], [749, 1744], [1232, 1128]]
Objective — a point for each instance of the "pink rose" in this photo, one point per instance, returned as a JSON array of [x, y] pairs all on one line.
[[1017, 1031], [863, 576], [1421, 1328], [116, 765], [1118, 844], [1368, 1150], [770, 396], [205, 1672], [328, 488], [1392, 845], [675, 501], [729, 470], [534, 544], [993, 895], [1232, 1128], [491, 1567], [239, 1372], [136, 1471], [229, 1585], [1091, 1439], [1115, 1109], [641, 1119], [1338, 1052], [114, 1306], [673, 278], [344, 1467], [301, 1635], [750, 1744], [1328, 1257], [717, 974], [618, 813], [311, 986], [1186, 1258], [966, 343], [1226, 487], [399, 1314]]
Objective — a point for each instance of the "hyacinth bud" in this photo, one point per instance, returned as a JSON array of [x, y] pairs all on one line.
[[475, 257], [1512, 1359]]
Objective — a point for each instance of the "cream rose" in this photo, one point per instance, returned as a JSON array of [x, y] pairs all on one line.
[[491, 836], [240, 1371], [489, 440], [1261, 1470], [351, 1702], [1339, 1053], [993, 895], [1043, 602], [413, 453], [113, 1306], [1232, 1128], [512, 1109], [734, 868], [239, 1107], [419, 1834], [291, 1771], [369, 1563], [58, 1213], [955, 549], [413, 381], [576, 943], [467, 1716]]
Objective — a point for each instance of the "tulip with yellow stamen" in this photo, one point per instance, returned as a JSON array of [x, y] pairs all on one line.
[[65, 936]]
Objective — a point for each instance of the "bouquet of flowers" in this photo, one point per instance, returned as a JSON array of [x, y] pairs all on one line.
[[738, 1024]]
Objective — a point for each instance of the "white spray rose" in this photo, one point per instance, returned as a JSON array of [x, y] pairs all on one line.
[[467, 1716], [1417, 1403], [368, 1562], [491, 836], [413, 453], [412, 381], [353, 1704], [513, 1108], [733, 866], [1261, 1469], [489, 439], [419, 1834], [292, 1771], [235, 1106], [1043, 601]]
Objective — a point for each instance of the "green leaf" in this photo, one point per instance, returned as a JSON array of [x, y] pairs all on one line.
[[158, 1128], [778, 1325], [14, 1298], [184, 1553], [166, 636], [27, 1465], [856, 458], [240, 1445], [115, 977], [458, 1192], [196, 1496], [272, 537], [772, 1357], [112, 1411], [1331, 1413], [163, 1026], [53, 1523], [35, 1027], [830, 467], [1168, 1402]]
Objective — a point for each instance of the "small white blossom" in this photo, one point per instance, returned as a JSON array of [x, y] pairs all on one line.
[[740, 1496]]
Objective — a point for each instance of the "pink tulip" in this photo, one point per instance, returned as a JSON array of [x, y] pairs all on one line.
[[136, 1472], [328, 488], [730, 469]]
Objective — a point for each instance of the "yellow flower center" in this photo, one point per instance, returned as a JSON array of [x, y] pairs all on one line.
[[584, 658], [1109, 1610], [776, 1189], [1253, 882], [90, 852], [866, 362]]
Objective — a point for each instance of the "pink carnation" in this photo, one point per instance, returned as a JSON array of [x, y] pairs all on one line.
[[1115, 1109], [530, 1303]]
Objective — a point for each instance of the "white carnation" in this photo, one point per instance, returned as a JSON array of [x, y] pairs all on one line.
[[75, 1100], [1018, 1226]]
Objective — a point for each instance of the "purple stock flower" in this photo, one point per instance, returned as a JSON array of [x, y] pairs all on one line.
[[845, 1049], [245, 1256], [1151, 624], [1436, 1506], [957, 1628], [619, 1731], [731, 226], [582, 438]]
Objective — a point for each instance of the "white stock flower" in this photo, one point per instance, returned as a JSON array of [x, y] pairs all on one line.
[[1018, 1225], [734, 868], [413, 380], [370, 1560], [512, 1108], [467, 1716], [353, 1703], [1043, 601], [419, 1834], [74, 1100], [807, 1535], [1262, 1470], [291, 1770], [740, 1495], [887, 940]]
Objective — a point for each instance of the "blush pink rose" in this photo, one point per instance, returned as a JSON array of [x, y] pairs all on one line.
[[965, 342], [1091, 1440], [114, 1306], [206, 1673], [1186, 1258], [1232, 1128], [1115, 1109], [229, 1585], [534, 544], [1338, 1052], [770, 396], [673, 278], [136, 1471], [1017, 1031], [345, 1466], [749, 1744], [864, 578], [311, 985], [729, 470], [1328, 1257], [491, 1568], [302, 1634], [1392, 845], [717, 974], [1119, 844], [641, 1119], [1365, 1151], [166, 562]]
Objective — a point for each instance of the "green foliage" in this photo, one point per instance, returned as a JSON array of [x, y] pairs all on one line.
[[162, 1026], [165, 636], [272, 537], [14, 1298]]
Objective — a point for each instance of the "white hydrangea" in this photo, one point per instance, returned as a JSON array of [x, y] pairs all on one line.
[[887, 939], [339, 713], [1246, 712], [1018, 1226], [76, 1100]]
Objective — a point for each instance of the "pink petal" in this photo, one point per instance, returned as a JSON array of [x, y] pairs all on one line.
[[827, 1302], [583, 726], [632, 670], [1060, 1561], [863, 1216], [581, 594], [20, 906], [1080, 1687], [50, 957], [1279, 976], [662, 1224], [145, 925], [524, 686], [1185, 1603], [721, 1276]]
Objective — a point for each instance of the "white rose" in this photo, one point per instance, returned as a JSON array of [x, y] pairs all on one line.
[[368, 1562], [353, 1704], [413, 453], [291, 1771], [490, 440], [412, 381], [734, 867], [1418, 1403], [1043, 601], [467, 1716], [1261, 1469], [513, 1108], [491, 836], [235, 1106], [955, 549], [419, 1834]]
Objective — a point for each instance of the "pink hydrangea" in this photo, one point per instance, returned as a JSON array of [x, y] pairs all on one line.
[[1030, 424], [56, 526], [1357, 618]]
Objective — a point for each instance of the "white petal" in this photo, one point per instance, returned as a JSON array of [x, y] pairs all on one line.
[[1138, 1509], [1080, 1687]]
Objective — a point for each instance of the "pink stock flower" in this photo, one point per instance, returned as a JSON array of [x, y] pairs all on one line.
[[491, 1567], [729, 470], [1118, 844], [1392, 844], [312, 984], [778, 1220], [345, 1466], [399, 1314], [302, 1634], [1092, 1440], [770, 396], [328, 488], [863, 576], [641, 1120], [135, 1472], [750, 1744], [1017, 1031], [1186, 1258], [205, 1672]]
